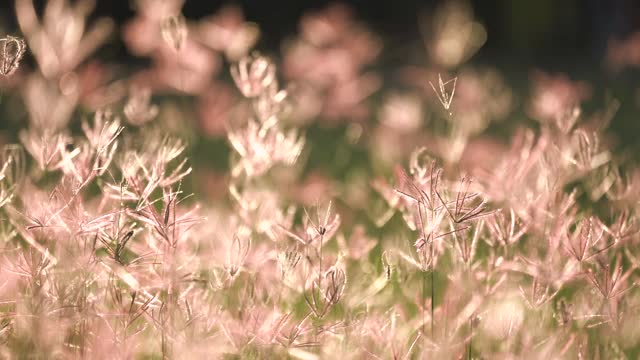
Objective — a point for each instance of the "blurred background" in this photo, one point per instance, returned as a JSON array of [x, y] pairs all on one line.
[[542, 33], [587, 50]]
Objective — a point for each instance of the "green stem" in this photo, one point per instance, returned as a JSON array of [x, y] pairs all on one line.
[[470, 339]]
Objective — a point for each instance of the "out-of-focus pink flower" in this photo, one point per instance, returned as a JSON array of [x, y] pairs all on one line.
[[481, 96], [60, 42], [347, 98], [211, 184], [391, 146], [91, 84], [553, 95], [624, 53], [227, 32], [359, 244], [188, 70], [419, 77], [143, 34], [179, 61], [214, 107], [331, 56], [454, 36], [314, 187], [49, 109], [138, 109], [306, 102], [481, 154]]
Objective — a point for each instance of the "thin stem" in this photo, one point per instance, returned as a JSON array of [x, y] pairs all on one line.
[[180, 70], [432, 300], [432, 288], [470, 339], [320, 265], [319, 283], [164, 345], [471, 319], [424, 299]]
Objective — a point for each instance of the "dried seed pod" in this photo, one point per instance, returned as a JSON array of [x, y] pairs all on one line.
[[445, 91], [174, 31], [11, 51], [238, 253], [335, 283], [288, 260]]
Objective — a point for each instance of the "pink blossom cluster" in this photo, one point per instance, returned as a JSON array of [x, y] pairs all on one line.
[[117, 242]]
